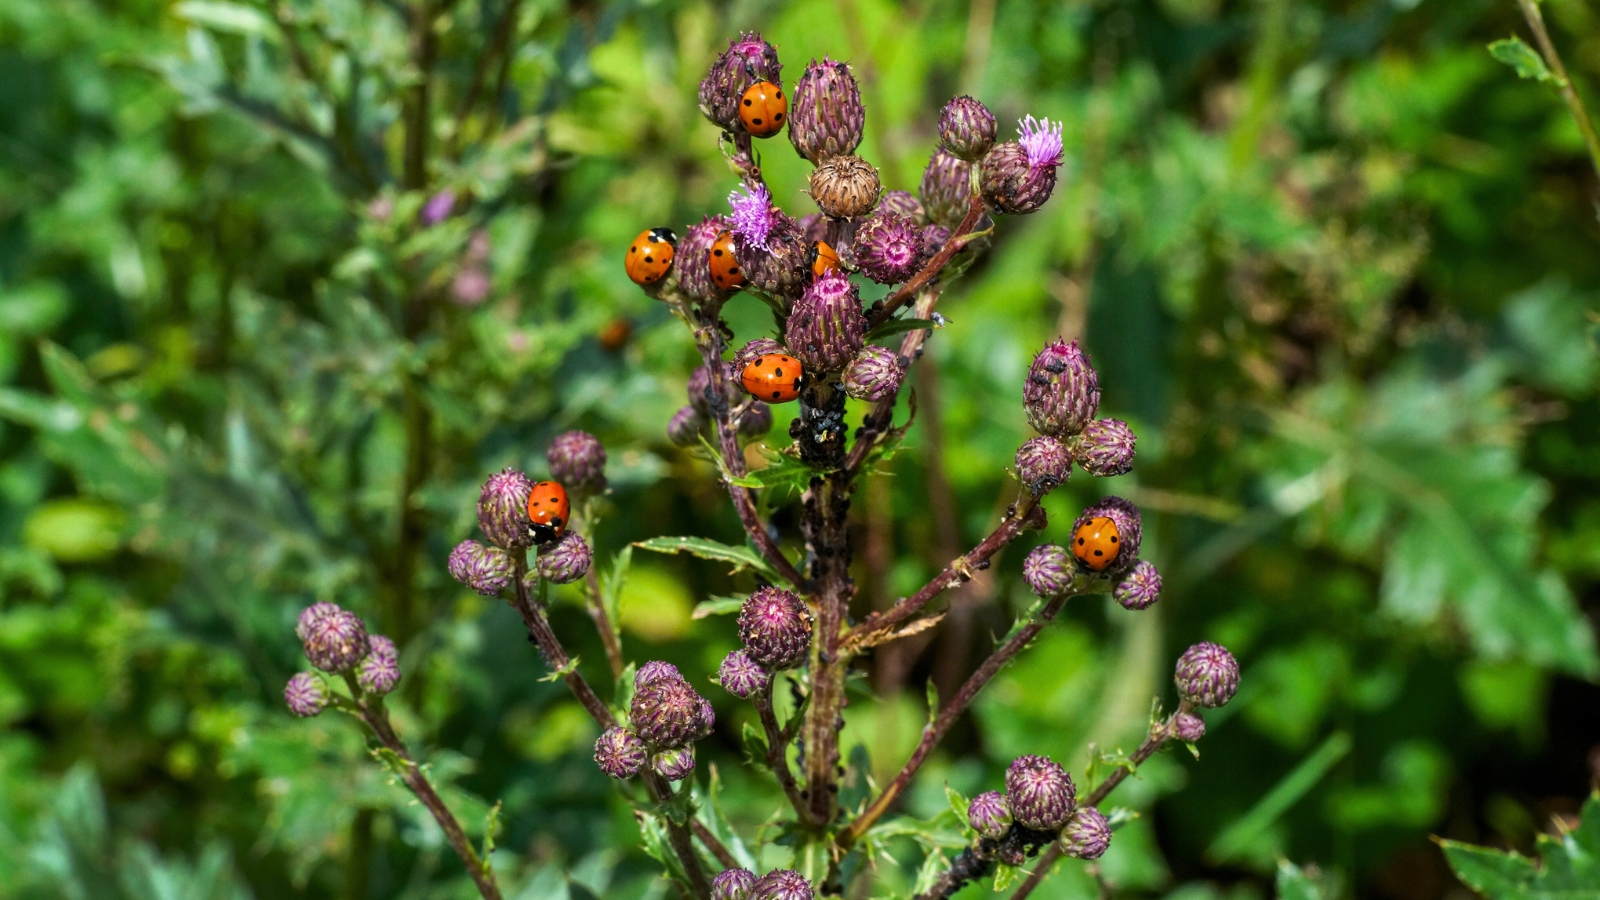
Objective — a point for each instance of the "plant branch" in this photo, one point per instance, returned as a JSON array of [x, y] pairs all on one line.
[[1569, 92], [602, 621], [959, 239], [777, 756], [555, 656], [721, 852]]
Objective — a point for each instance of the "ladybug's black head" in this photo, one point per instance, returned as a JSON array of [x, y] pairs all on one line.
[[544, 532], [664, 234]]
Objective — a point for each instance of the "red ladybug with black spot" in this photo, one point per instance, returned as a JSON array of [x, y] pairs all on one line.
[[774, 378], [824, 259], [1096, 543], [650, 255], [725, 271], [549, 510], [763, 109]]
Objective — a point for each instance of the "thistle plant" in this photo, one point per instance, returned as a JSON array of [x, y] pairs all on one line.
[[799, 638]]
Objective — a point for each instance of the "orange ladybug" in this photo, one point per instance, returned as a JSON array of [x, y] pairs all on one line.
[[824, 259], [548, 511], [650, 255], [774, 378], [763, 108], [725, 271], [1096, 543]]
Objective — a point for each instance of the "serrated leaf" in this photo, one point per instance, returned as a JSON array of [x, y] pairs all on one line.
[[705, 548], [1569, 866], [958, 803], [1005, 876], [717, 606], [564, 671], [782, 472], [1524, 59], [932, 867]]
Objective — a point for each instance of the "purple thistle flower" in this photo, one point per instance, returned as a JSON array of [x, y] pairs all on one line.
[[775, 626], [619, 753], [875, 374], [1086, 835], [578, 460], [1041, 140], [1140, 588], [733, 884], [1106, 448], [486, 570], [782, 884], [310, 615], [336, 642], [1043, 463], [989, 815], [566, 560], [439, 207], [742, 676], [503, 509], [1040, 792], [752, 217], [380, 671], [1207, 675], [655, 671], [685, 426], [306, 694]]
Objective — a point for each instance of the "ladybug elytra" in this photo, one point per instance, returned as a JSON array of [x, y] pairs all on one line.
[[725, 271], [774, 378], [650, 255], [824, 259], [1096, 543], [763, 108], [548, 511]]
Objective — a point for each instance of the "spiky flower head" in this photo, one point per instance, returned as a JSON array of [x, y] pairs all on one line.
[[1019, 176], [733, 884], [1125, 516], [675, 764], [667, 712], [888, 248], [782, 884], [1040, 792], [742, 676], [1207, 675], [380, 671], [566, 560], [826, 328], [757, 420], [655, 671], [503, 509], [692, 261], [1106, 448], [486, 570], [905, 204], [775, 626], [875, 374], [1086, 835], [845, 187], [1188, 727], [1043, 463], [1062, 392], [1140, 588], [746, 61], [933, 239], [826, 117], [989, 815], [753, 216], [578, 460], [619, 753], [946, 188], [310, 615], [336, 642], [1048, 570], [780, 267], [306, 694], [685, 427], [967, 128]]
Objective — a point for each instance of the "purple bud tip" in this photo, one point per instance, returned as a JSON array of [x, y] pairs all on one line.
[[685, 427], [733, 884], [1048, 570], [782, 884], [1062, 392], [775, 626], [1188, 727], [757, 420], [619, 753], [578, 461], [306, 694], [503, 509], [742, 676], [310, 615], [566, 560], [1086, 835], [654, 671], [1042, 141], [752, 217], [336, 642], [875, 374], [380, 671], [1207, 675], [486, 570], [888, 248], [1140, 588], [1043, 463], [989, 815], [1105, 448], [674, 765], [1040, 792]]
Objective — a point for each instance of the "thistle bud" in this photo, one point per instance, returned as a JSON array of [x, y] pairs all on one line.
[[1086, 835], [668, 713], [1040, 792], [946, 188], [1207, 675], [756, 421], [1188, 727], [674, 765], [733, 884], [775, 626], [826, 117], [826, 329], [933, 238], [746, 61], [875, 374], [685, 427], [306, 694], [1043, 463], [439, 207], [1048, 570], [1106, 448], [782, 884], [751, 352], [967, 128], [845, 187], [655, 671], [888, 248], [380, 671], [309, 616], [904, 204], [742, 676], [336, 642], [1019, 176], [578, 460], [503, 510], [699, 381], [1062, 392], [692, 261], [813, 227], [1140, 588], [619, 753], [566, 560], [989, 815], [486, 570], [1125, 516]]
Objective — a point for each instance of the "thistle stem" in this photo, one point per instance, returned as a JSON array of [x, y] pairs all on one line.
[[777, 756], [555, 656], [1569, 93]]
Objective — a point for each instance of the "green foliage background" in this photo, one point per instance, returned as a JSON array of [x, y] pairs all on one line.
[[1338, 267]]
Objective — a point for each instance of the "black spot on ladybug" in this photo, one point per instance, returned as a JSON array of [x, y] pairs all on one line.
[[1113, 539], [755, 121], [717, 252], [777, 373], [779, 95], [1098, 553], [734, 270], [649, 259], [1080, 542], [556, 521], [777, 394], [748, 101], [778, 117], [633, 249]]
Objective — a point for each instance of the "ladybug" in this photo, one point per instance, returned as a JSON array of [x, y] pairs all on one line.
[[763, 108], [824, 259], [1096, 543], [650, 255], [774, 378], [725, 271], [548, 510]]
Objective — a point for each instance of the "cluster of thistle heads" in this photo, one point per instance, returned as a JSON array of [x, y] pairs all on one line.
[[336, 642]]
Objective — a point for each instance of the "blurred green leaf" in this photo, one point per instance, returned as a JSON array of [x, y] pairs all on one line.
[[1568, 869], [1518, 55]]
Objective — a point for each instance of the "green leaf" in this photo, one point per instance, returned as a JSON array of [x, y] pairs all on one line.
[[932, 700], [612, 583], [1005, 877], [755, 744], [705, 548], [900, 326], [783, 472], [1519, 56], [1302, 778], [1569, 868], [717, 606]]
